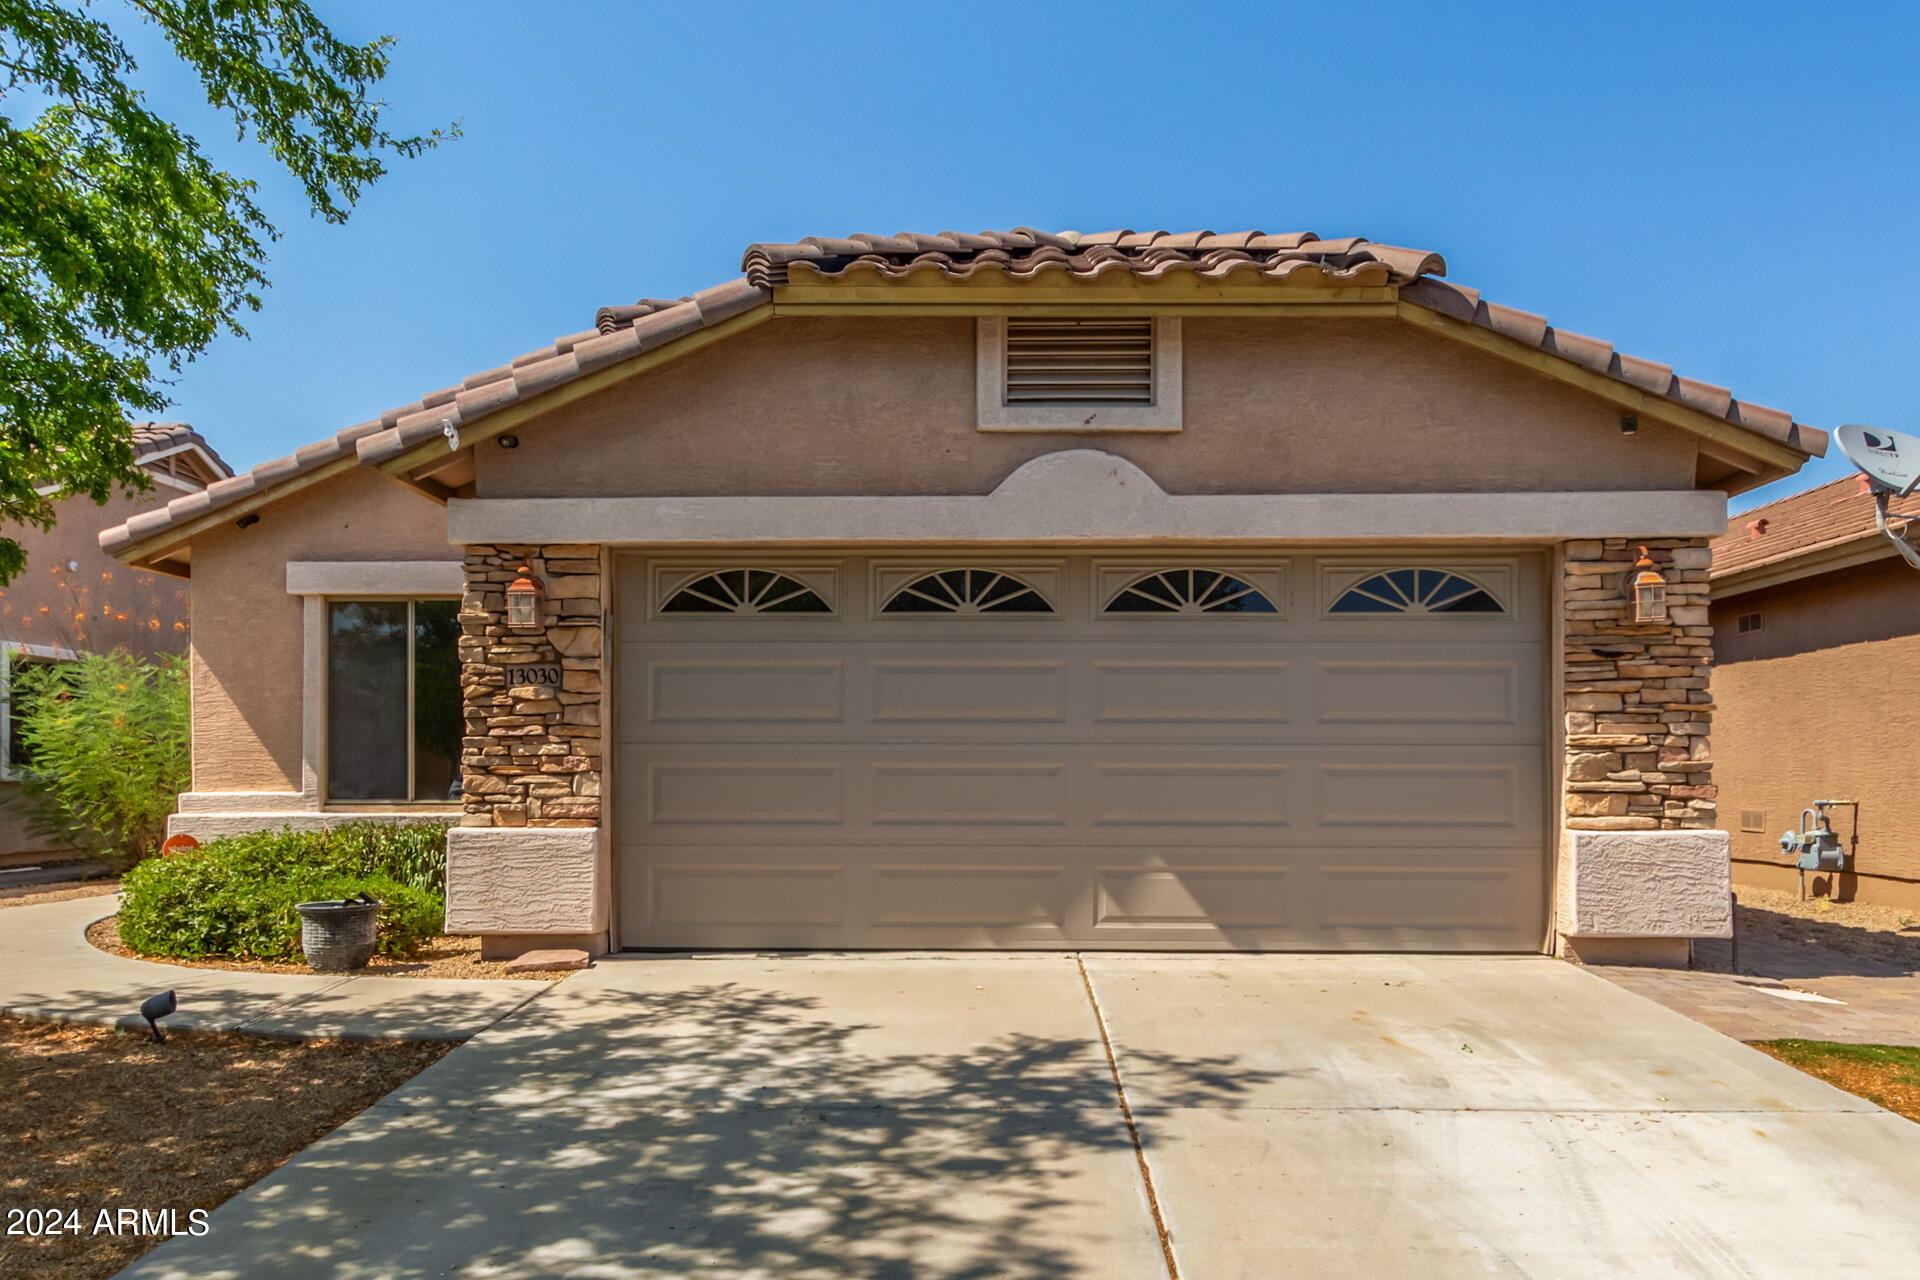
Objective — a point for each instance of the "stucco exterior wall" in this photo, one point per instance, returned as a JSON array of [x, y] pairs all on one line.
[[827, 405], [248, 643], [97, 606], [1823, 703]]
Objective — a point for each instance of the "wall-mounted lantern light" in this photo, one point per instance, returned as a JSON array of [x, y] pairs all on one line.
[[1648, 590], [523, 599]]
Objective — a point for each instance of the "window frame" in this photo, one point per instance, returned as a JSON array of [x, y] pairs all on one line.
[[993, 413], [323, 766], [11, 651]]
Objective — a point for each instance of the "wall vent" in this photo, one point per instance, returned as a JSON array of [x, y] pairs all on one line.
[[1747, 623], [1753, 820], [1079, 361]]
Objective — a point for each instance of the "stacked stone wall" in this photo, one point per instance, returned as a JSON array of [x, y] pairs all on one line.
[[1638, 704], [532, 755]]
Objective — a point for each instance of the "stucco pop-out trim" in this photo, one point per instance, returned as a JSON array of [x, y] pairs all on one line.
[[525, 880], [375, 577], [1648, 884], [1088, 496]]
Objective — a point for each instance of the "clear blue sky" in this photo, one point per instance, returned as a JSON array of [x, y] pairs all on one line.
[[1729, 188]]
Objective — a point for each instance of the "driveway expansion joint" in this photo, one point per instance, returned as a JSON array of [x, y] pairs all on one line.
[[1133, 1130]]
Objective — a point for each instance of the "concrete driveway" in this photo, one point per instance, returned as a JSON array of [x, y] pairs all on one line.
[[909, 1117]]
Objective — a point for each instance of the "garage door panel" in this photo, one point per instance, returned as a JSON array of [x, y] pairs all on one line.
[[1164, 692], [969, 894], [1188, 794], [725, 792], [960, 793], [1408, 691], [693, 691], [1190, 899], [1460, 793], [977, 691], [1083, 779], [699, 894]]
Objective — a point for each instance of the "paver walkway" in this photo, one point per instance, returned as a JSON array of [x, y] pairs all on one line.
[[48, 969], [956, 1118], [1786, 990]]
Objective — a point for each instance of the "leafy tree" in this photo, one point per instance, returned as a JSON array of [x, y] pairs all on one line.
[[106, 749], [124, 251]]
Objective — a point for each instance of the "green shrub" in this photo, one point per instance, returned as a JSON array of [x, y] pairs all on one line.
[[235, 896], [106, 746]]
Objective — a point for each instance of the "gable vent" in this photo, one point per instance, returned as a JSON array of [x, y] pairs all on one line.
[[1079, 361]]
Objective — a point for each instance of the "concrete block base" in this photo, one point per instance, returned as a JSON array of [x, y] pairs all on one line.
[[1649, 953], [1646, 884], [526, 880]]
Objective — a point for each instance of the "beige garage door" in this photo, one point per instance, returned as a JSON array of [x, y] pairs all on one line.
[[1335, 751]]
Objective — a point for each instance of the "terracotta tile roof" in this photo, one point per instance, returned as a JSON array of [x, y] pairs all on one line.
[[621, 332], [1024, 253], [1803, 523], [1463, 303], [158, 437]]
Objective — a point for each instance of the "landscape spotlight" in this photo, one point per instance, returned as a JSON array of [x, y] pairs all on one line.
[[154, 1008]]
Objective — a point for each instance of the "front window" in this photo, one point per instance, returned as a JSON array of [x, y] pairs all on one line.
[[18, 754], [393, 700]]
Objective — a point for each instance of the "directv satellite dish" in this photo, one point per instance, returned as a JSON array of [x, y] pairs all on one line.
[[1891, 462], [1890, 459]]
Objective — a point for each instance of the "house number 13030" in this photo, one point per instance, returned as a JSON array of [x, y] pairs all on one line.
[[541, 677]]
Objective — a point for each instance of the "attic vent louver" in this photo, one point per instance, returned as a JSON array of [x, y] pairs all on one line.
[[1079, 361]]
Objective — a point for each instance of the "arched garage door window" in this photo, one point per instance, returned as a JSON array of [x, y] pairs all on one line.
[[1416, 591], [1190, 591], [745, 591], [966, 591]]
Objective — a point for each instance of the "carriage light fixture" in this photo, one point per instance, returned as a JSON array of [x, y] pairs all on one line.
[[523, 599], [1648, 590]]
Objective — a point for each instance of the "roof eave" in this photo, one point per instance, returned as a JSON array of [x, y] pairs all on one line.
[[1772, 457], [1831, 557], [414, 450]]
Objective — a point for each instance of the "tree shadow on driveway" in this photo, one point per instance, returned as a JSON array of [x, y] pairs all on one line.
[[720, 1130]]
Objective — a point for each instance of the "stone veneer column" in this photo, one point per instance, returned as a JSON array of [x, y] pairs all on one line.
[[1638, 706], [531, 758], [1641, 871]]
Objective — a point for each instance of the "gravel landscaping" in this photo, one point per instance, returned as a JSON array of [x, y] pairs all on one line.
[[443, 957], [106, 1120], [1888, 934]]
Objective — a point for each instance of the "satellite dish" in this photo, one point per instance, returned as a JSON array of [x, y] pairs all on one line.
[[1891, 459]]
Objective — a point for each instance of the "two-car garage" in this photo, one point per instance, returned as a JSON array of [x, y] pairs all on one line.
[[1338, 750]]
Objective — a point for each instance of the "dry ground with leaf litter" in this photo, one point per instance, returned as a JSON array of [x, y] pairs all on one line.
[[1884, 1074], [98, 1119]]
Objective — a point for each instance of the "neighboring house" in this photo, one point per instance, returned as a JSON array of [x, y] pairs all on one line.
[[1011, 590], [74, 598], [1817, 622]]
